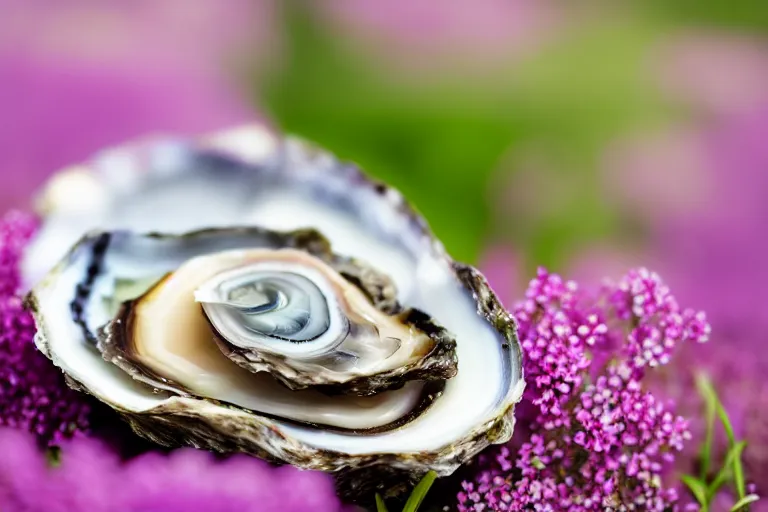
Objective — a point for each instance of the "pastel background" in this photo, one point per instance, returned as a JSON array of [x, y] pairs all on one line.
[[588, 136]]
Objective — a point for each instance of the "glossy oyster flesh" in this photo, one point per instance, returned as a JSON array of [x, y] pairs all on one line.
[[291, 315], [398, 266]]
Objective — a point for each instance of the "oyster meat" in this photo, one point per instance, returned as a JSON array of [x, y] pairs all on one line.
[[293, 309], [297, 319]]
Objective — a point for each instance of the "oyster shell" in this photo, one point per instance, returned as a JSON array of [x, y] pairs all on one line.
[[250, 177]]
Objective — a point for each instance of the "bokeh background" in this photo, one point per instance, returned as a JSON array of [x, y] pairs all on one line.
[[586, 136]]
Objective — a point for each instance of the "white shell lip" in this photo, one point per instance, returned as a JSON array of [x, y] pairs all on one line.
[[401, 246], [80, 198]]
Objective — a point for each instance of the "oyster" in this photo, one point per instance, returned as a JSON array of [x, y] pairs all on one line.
[[269, 395]]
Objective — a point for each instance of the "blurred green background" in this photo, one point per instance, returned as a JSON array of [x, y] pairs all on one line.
[[457, 140], [499, 119], [586, 135]]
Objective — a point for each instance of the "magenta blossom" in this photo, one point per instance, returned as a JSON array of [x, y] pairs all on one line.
[[33, 395], [718, 73], [712, 251], [599, 440], [58, 113], [79, 76], [482, 35], [92, 478]]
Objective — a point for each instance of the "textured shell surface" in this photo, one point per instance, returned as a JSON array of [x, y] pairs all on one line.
[[239, 190]]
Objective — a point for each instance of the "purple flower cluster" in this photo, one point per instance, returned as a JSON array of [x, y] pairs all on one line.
[[36, 402], [554, 335], [92, 478], [33, 395], [658, 323], [598, 440]]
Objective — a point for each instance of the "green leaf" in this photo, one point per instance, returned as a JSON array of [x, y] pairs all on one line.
[[705, 455], [723, 415], [420, 492], [743, 502], [733, 454], [53, 456], [738, 478], [380, 505], [698, 489], [708, 391]]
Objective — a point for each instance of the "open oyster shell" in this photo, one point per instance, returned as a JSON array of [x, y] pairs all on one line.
[[250, 177]]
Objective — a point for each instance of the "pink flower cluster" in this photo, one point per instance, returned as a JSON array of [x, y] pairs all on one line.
[[33, 395], [658, 323], [598, 440]]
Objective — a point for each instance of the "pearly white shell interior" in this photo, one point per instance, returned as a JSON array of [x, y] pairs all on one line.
[[192, 191]]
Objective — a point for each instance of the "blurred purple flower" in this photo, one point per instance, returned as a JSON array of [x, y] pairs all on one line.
[[659, 175], [483, 34], [711, 249], [33, 395], [92, 478], [720, 247], [83, 75], [501, 265], [719, 74], [596, 439], [206, 35], [716, 257], [55, 114]]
